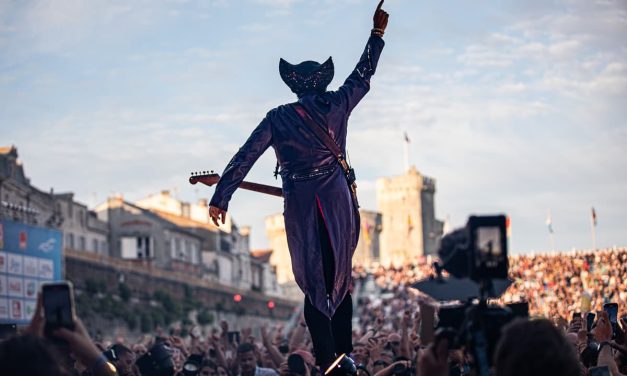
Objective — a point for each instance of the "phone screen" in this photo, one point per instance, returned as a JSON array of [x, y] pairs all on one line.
[[233, 337], [58, 307], [590, 320], [427, 314], [612, 311]]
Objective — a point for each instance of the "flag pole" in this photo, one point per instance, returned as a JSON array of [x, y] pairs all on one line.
[[593, 225], [552, 239], [549, 224], [406, 151]]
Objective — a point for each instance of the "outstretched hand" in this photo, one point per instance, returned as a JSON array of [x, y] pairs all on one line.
[[216, 215], [380, 18]]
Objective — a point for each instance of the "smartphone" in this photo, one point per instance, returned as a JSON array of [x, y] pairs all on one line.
[[612, 312], [427, 313], [233, 337], [58, 304], [296, 364], [576, 315], [520, 309], [7, 330], [590, 320]]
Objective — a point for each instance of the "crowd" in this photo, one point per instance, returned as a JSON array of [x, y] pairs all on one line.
[[553, 284], [393, 332]]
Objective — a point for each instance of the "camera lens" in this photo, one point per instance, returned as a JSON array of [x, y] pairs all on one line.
[[191, 367]]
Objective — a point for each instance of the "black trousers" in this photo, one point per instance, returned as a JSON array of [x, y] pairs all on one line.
[[330, 337]]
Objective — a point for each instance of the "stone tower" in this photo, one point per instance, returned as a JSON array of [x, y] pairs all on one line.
[[406, 203], [280, 259]]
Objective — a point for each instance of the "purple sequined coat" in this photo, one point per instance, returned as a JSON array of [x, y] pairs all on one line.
[[313, 181]]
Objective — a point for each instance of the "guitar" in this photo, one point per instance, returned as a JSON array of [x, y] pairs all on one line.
[[209, 178]]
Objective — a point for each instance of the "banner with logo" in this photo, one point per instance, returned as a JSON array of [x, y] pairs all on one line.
[[29, 256]]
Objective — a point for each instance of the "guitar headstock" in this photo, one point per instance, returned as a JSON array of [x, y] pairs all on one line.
[[208, 178]]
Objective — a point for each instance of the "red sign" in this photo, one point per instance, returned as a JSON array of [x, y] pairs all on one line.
[[22, 239]]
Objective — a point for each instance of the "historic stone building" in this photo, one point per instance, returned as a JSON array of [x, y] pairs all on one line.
[[403, 228], [406, 203], [224, 251], [138, 234], [20, 201], [24, 203], [275, 231], [82, 230], [369, 245]]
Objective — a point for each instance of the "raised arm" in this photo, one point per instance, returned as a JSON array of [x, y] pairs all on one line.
[[238, 167], [358, 82]]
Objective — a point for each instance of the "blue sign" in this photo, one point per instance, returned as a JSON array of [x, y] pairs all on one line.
[[29, 256]]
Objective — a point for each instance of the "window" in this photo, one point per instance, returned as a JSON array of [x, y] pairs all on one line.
[[129, 248], [143, 247], [81, 243], [193, 254], [94, 245], [136, 247], [70, 241]]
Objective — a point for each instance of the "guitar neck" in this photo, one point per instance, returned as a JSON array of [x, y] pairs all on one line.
[[262, 188]]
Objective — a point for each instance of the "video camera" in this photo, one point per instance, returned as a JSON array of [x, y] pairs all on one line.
[[475, 256]]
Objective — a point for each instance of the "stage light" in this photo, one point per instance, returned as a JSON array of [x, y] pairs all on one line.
[[343, 365]]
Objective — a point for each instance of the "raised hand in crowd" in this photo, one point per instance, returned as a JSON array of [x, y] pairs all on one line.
[[274, 353], [603, 335], [433, 360]]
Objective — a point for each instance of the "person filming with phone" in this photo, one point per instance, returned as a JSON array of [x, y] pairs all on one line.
[[54, 333]]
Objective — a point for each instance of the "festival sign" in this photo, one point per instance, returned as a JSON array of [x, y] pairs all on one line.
[[29, 256]]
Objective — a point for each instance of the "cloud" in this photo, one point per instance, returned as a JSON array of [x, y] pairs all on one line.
[[517, 115]]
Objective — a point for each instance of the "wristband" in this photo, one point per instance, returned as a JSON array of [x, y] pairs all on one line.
[[377, 31]]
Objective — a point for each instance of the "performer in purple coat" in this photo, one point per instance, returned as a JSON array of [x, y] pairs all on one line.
[[321, 217]]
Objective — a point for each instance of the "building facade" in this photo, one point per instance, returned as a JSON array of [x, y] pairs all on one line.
[[24, 203], [280, 258], [82, 229], [138, 234], [369, 246], [409, 227], [224, 251], [19, 200]]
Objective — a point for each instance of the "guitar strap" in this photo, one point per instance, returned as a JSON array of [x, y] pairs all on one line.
[[330, 144]]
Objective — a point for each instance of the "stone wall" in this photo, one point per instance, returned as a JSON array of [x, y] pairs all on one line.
[[144, 280]]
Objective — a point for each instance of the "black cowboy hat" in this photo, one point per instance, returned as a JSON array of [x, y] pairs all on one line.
[[307, 77]]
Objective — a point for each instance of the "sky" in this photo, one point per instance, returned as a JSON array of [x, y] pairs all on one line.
[[515, 107]]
